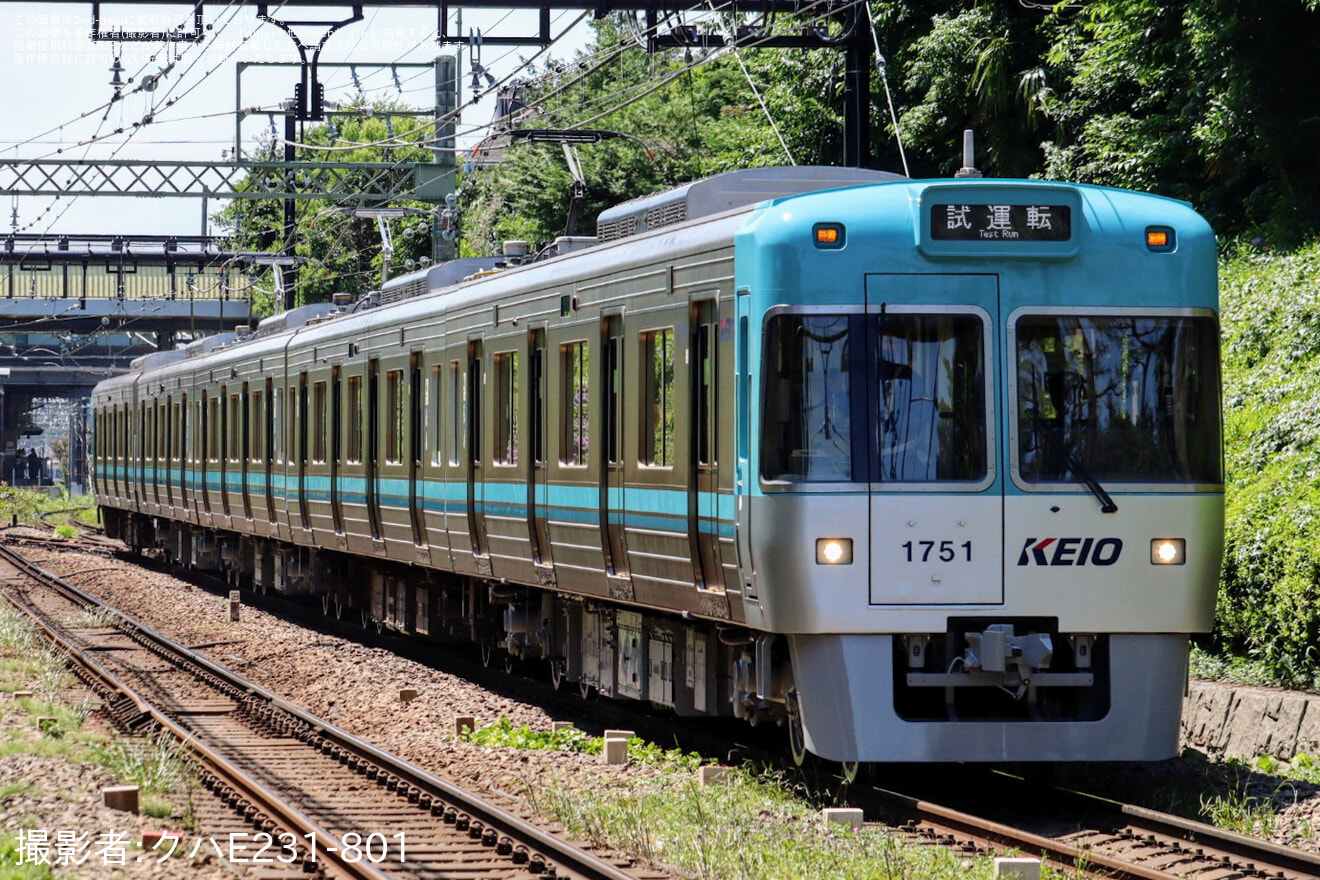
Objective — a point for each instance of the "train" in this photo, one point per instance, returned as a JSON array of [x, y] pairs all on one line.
[[920, 470]]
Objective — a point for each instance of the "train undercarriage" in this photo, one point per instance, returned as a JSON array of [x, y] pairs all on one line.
[[690, 667]]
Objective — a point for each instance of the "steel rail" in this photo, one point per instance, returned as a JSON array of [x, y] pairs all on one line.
[[1184, 840], [319, 733], [996, 833], [271, 805]]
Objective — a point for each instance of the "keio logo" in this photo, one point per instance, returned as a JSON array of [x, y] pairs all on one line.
[[1070, 551]]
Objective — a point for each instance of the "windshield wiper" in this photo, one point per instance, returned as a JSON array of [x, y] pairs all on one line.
[[1075, 465]]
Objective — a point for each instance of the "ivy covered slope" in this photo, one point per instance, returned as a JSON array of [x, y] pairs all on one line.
[[1268, 600]]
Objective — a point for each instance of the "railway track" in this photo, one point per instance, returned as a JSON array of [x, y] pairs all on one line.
[[1099, 837], [330, 803], [1089, 835]]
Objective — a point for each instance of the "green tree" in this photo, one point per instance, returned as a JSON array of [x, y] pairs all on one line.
[[343, 252], [1197, 99]]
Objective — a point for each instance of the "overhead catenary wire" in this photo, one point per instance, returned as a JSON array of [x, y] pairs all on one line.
[[729, 39], [562, 86], [96, 135], [881, 66], [641, 90]]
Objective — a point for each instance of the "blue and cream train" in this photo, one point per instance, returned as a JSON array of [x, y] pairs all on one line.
[[925, 471]]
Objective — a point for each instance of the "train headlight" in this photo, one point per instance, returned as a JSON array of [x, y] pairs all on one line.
[[834, 551], [1168, 551]]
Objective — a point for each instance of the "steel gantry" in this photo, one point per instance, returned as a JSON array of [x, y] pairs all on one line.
[[361, 182], [853, 37]]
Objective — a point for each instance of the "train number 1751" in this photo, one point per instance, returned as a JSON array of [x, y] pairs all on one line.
[[944, 551]]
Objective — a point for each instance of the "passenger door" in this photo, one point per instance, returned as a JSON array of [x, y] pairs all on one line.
[[937, 504]]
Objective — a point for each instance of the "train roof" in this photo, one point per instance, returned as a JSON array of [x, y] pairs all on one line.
[[724, 192], [709, 214]]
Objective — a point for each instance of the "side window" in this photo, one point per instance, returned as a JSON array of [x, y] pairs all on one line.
[[657, 435], [506, 407], [277, 425], [234, 436], [257, 427], [354, 451], [433, 411], [703, 390], [575, 439], [318, 422], [394, 427], [213, 438], [455, 408], [292, 453]]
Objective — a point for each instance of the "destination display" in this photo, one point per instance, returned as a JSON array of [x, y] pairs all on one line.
[[1000, 222]]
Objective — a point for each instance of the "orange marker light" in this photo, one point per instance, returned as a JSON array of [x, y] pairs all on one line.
[[828, 235], [1161, 239]]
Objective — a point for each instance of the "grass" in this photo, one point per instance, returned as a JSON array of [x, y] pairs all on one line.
[[758, 826], [98, 617], [502, 734], [16, 631], [29, 506], [1231, 669], [156, 764], [15, 788], [10, 867], [1236, 810]]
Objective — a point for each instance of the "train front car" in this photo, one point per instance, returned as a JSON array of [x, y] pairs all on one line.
[[979, 466]]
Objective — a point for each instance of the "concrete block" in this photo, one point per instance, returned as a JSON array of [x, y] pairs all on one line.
[[235, 601], [616, 750], [850, 816], [22, 695], [407, 695], [1017, 869], [619, 734], [562, 725], [464, 724], [121, 797], [47, 723], [713, 775]]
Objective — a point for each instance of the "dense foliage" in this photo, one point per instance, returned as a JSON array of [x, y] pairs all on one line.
[[1269, 604], [1204, 100], [1198, 99], [341, 252]]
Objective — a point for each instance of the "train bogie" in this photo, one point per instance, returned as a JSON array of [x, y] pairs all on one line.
[[925, 471]]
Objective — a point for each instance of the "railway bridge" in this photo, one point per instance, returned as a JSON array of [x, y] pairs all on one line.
[[74, 309]]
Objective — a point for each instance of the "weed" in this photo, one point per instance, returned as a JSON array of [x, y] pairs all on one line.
[[15, 788], [66, 531], [156, 807], [1238, 811], [14, 867], [752, 827], [16, 631], [156, 764], [52, 676], [502, 734], [29, 506], [96, 617]]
